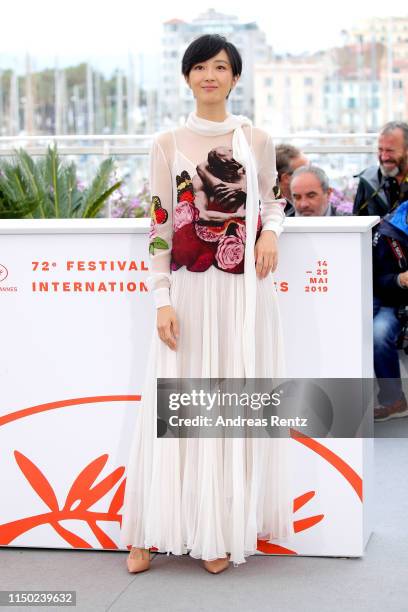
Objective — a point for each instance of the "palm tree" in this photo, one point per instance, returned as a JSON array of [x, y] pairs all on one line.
[[47, 188]]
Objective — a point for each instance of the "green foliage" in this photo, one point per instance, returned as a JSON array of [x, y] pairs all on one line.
[[48, 189]]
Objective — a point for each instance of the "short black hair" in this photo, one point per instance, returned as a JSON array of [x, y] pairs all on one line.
[[205, 47]]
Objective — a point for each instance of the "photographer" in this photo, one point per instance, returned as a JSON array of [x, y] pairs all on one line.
[[384, 186], [390, 278]]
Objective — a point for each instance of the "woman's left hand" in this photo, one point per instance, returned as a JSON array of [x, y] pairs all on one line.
[[266, 253]]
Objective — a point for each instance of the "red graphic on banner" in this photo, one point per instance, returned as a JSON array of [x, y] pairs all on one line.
[[83, 493], [337, 462], [13, 416], [80, 498]]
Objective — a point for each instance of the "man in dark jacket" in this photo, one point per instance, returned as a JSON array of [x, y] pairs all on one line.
[[390, 279], [382, 188], [288, 159]]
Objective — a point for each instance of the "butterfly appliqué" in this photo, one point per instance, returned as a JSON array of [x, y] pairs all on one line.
[[157, 212]]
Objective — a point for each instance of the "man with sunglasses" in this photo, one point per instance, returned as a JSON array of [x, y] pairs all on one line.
[[382, 188]]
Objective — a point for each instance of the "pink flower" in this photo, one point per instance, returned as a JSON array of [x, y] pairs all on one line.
[[230, 252], [184, 213]]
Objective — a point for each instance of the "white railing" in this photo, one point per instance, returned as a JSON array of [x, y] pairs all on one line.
[[115, 144]]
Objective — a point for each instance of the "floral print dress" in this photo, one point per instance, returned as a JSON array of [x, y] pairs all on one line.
[[207, 497]]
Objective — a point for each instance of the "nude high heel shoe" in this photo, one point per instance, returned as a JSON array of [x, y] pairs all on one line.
[[138, 560], [217, 566]]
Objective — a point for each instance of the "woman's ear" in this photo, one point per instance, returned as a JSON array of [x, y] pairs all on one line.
[[234, 82]]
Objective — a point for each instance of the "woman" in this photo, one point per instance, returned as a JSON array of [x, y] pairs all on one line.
[[217, 316]]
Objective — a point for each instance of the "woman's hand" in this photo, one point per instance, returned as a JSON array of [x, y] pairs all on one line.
[[266, 253], [226, 194], [168, 326]]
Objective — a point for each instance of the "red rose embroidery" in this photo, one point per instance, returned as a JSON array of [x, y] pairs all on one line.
[[230, 252], [184, 213], [188, 250], [199, 245]]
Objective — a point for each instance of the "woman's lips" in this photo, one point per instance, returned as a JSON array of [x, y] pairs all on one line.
[[209, 88]]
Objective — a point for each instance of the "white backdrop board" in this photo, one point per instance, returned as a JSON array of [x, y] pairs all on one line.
[[76, 325]]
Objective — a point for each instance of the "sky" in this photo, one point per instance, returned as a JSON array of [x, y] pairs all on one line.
[[105, 32]]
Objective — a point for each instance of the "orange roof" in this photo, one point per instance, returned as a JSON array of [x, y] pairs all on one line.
[[175, 21]]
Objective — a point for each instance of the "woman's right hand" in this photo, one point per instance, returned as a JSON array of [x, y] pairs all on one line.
[[168, 326]]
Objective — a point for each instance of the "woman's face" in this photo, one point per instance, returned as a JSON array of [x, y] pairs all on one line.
[[212, 80]]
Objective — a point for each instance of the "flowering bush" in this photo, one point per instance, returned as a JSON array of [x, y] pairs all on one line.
[[122, 204], [340, 201]]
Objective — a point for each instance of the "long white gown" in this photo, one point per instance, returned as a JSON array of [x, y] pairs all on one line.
[[203, 496]]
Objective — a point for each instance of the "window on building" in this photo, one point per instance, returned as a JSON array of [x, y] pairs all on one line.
[[268, 82], [308, 81]]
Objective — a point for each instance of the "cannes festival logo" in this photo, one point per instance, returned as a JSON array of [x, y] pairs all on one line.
[[83, 493], [3, 272]]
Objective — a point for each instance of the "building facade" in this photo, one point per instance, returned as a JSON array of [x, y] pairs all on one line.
[[175, 98]]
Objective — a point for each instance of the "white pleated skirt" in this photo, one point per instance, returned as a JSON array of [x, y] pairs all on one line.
[[204, 496]]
